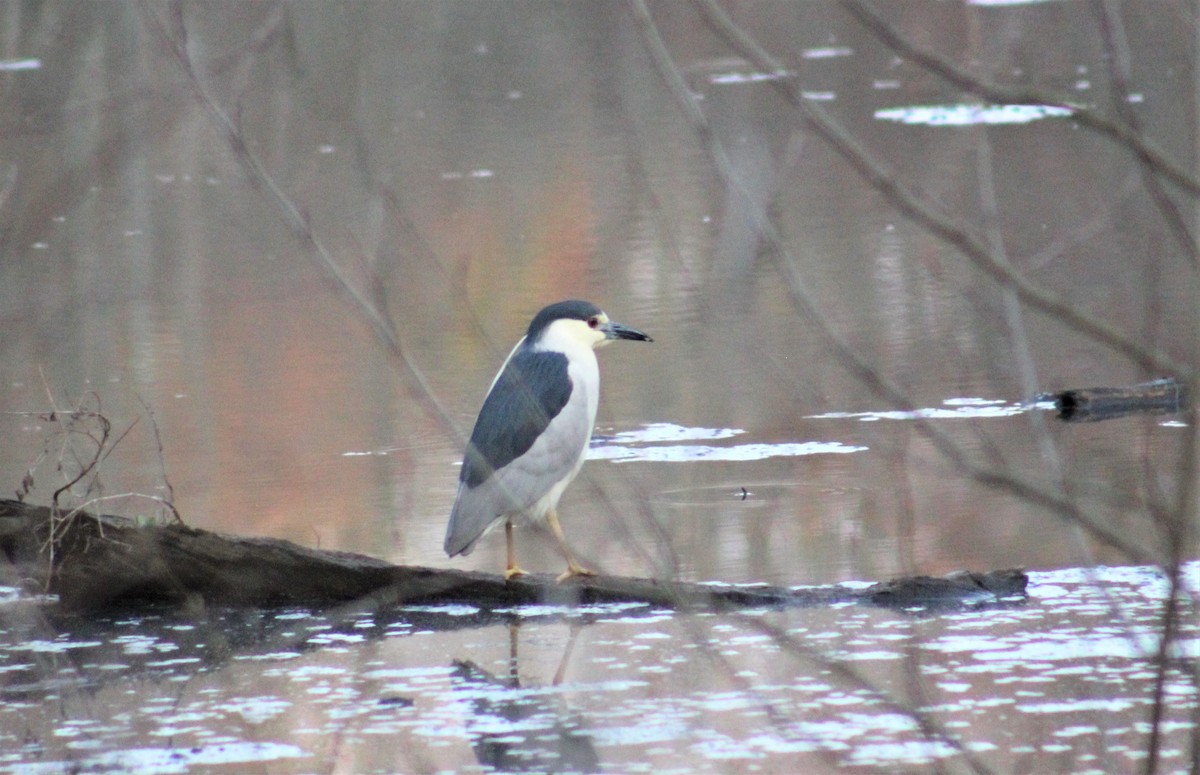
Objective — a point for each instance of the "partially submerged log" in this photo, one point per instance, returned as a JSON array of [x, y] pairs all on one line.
[[1162, 396], [96, 561]]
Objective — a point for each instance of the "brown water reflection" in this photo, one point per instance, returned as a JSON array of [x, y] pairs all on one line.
[[459, 165], [462, 168]]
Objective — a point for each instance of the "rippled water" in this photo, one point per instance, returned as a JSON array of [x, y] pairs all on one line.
[[1060, 682]]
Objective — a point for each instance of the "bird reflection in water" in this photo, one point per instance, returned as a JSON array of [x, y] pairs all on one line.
[[520, 731]]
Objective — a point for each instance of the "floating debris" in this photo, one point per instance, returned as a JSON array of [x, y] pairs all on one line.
[[1162, 396]]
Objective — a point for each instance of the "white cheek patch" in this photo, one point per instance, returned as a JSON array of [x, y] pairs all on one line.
[[570, 337]]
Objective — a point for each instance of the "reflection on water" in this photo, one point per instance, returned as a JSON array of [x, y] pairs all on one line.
[[458, 166], [514, 730], [968, 115], [459, 169], [163, 760], [20, 64], [951, 409], [632, 445], [1054, 684]]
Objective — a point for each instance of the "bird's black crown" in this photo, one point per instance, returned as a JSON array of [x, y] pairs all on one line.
[[572, 309]]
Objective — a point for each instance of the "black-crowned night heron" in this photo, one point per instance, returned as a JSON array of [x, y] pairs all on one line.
[[532, 433]]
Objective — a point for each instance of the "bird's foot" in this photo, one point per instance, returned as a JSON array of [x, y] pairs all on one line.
[[512, 571], [573, 570]]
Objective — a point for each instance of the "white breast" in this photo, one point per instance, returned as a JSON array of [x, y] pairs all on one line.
[[571, 431]]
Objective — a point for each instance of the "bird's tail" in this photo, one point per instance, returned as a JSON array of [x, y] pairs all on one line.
[[466, 526]]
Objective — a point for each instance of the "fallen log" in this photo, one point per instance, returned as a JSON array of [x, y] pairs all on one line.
[[1162, 396], [93, 562]]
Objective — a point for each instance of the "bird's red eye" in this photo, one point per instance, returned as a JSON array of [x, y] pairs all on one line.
[[593, 322]]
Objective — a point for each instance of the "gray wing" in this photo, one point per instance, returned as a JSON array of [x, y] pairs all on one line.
[[530, 434], [530, 391]]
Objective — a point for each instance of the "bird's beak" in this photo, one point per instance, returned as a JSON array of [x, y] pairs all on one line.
[[617, 331]]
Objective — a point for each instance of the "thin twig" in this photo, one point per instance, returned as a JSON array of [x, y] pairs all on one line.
[[1121, 132], [102, 498], [1054, 503], [290, 212], [90, 465], [922, 211], [162, 460], [1117, 47]]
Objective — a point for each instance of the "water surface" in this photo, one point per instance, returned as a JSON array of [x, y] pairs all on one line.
[[282, 248], [1058, 680]]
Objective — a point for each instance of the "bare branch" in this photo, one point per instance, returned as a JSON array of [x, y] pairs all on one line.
[[922, 211], [1055, 503], [1123, 133], [291, 213]]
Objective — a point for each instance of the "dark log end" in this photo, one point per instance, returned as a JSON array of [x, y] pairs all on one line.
[[1163, 396]]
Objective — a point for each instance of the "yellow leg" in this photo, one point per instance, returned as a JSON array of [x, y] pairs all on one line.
[[573, 567], [512, 569]]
